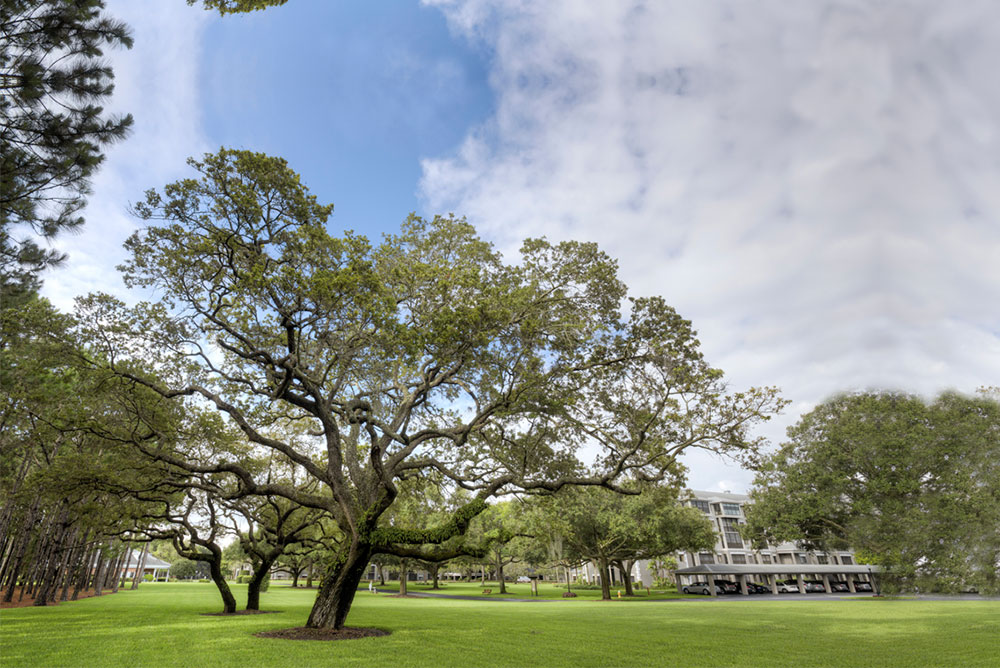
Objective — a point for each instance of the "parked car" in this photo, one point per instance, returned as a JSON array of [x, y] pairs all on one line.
[[815, 587], [839, 585], [700, 588], [788, 587], [862, 586], [758, 588], [523, 578], [728, 587]]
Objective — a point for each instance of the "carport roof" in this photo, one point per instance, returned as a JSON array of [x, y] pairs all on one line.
[[776, 569]]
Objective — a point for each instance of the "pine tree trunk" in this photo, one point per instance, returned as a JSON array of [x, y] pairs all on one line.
[[88, 564], [123, 570], [336, 592], [140, 567], [75, 565], [102, 567]]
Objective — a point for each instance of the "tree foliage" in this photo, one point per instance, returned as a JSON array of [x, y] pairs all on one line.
[[617, 529], [53, 129], [425, 354], [910, 485]]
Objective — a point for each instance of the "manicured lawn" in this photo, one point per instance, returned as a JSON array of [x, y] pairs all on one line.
[[548, 590], [160, 625]]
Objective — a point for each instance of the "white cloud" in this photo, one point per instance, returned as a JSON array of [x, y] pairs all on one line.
[[157, 82], [813, 184]]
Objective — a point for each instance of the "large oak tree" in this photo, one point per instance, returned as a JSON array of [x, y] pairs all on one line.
[[424, 353]]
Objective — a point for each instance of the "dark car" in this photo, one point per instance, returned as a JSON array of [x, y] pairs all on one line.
[[862, 586], [728, 587], [758, 588], [839, 585]]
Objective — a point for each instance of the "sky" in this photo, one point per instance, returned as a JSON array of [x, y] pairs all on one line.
[[815, 185]]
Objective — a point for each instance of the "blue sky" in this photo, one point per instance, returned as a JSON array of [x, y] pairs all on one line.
[[815, 185], [353, 95]]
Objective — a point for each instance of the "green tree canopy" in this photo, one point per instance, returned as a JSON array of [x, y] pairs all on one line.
[[911, 485], [607, 528], [424, 354]]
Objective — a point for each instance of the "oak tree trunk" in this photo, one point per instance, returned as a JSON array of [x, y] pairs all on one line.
[[605, 572], [340, 584], [404, 571], [253, 587], [503, 585], [626, 569], [228, 601]]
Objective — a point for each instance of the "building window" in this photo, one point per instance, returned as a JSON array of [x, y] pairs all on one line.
[[731, 509], [847, 561], [822, 559], [739, 558], [801, 559], [706, 558], [765, 558], [700, 505], [731, 531], [751, 559]]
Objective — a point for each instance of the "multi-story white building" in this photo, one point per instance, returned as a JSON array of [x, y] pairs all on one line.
[[726, 512]]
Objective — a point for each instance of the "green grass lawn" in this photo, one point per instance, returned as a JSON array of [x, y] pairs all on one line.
[[548, 590], [160, 625]]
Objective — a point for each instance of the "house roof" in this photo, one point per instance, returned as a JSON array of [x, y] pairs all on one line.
[[151, 561]]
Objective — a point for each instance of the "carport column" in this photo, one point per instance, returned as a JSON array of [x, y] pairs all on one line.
[[850, 584], [826, 584], [773, 581], [679, 585], [802, 585], [711, 584], [743, 585]]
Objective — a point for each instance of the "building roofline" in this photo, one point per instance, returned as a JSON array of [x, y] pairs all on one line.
[[777, 569]]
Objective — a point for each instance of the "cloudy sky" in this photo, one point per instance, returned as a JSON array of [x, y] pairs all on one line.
[[815, 184]]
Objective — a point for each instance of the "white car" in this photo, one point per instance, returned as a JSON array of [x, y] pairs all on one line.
[[701, 588], [788, 587]]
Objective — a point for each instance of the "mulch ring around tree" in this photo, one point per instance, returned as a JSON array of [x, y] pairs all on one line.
[[239, 612], [308, 633]]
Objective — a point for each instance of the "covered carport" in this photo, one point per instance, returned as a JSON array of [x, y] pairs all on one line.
[[771, 572]]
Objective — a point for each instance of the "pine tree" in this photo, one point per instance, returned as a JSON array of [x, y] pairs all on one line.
[[52, 127]]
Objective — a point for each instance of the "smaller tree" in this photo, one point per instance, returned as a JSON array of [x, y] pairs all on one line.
[[618, 529]]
